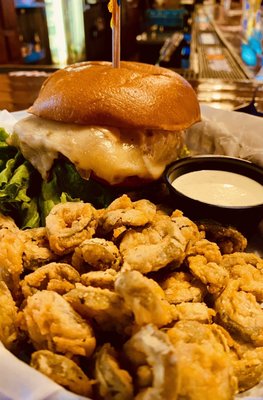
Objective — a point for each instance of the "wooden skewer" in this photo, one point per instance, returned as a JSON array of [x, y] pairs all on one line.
[[116, 34]]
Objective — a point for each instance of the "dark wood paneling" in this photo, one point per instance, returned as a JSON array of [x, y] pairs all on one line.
[[9, 39], [8, 14], [3, 50], [97, 32]]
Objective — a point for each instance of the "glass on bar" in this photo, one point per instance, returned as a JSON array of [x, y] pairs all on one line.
[[66, 31]]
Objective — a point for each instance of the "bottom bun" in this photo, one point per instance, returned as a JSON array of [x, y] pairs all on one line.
[[130, 182]]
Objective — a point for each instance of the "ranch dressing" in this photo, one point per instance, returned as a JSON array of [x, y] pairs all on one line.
[[220, 188]]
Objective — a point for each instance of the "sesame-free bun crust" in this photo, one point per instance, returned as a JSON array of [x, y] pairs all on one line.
[[136, 95]]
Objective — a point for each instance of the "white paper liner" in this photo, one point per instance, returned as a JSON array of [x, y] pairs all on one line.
[[228, 133], [220, 132], [18, 381], [7, 120]]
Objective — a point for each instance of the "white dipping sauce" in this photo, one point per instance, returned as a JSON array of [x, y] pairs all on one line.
[[220, 188]]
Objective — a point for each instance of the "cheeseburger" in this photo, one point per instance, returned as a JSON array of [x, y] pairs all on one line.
[[120, 125]]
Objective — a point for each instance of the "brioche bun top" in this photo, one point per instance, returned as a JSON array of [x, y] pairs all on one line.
[[136, 95]]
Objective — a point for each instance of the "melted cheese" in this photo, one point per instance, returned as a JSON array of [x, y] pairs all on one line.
[[113, 154]]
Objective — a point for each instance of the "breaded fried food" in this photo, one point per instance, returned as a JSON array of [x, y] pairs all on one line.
[[101, 279], [62, 370], [69, 224], [207, 249], [8, 317], [211, 274], [144, 298], [7, 222], [36, 248], [182, 287], [204, 261], [239, 312], [191, 331], [137, 299], [124, 212], [187, 227], [248, 365], [228, 238], [204, 373], [204, 366], [113, 382], [250, 279], [106, 307], [52, 324], [248, 269], [193, 311], [96, 254], [11, 265], [59, 277], [153, 248], [240, 258], [152, 348]]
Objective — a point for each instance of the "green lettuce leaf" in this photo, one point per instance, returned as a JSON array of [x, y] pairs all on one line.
[[65, 184], [17, 179], [88, 190], [15, 199], [28, 199], [30, 214], [49, 197], [6, 152]]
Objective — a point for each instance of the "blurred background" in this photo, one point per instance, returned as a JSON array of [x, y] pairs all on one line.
[[216, 45]]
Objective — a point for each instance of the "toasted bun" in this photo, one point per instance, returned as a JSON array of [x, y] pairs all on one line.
[[135, 95]]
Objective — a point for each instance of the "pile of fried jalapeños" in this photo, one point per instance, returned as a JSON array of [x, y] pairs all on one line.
[[129, 302]]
